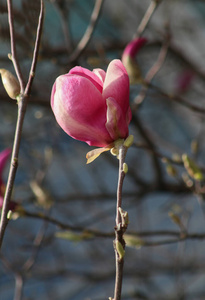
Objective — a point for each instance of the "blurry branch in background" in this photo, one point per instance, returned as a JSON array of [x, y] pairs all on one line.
[[88, 33], [29, 263], [152, 145], [64, 13], [17, 275], [130, 237], [153, 71], [165, 48], [22, 101], [145, 20], [178, 99]]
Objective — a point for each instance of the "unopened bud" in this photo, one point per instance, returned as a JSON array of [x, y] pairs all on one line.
[[120, 250], [130, 62], [125, 168], [129, 141], [10, 83]]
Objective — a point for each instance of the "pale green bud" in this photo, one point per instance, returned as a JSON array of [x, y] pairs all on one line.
[[120, 250], [10, 83], [129, 141], [125, 168]]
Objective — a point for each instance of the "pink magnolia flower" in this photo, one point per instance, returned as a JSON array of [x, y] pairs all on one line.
[[93, 106]]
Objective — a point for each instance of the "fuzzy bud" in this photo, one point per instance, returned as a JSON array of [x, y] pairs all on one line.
[[10, 83]]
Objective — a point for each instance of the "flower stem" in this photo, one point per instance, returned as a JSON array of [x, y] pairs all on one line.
[[120, 227]]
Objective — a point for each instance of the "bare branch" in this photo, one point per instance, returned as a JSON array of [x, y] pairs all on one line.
[[89, 32], [22, 105], [148, 14], [13, 46]]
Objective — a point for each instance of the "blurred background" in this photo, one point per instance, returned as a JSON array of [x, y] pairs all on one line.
[[61, 245]]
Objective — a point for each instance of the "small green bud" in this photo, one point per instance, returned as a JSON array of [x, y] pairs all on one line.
[[192, 169], [175, 218], [120, 250], [171, 170], [125, 168], [10, 83], [129, 141]]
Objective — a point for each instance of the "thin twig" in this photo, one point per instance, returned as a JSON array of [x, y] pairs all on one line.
[[176, 235], [147, 137], [145, 20], [179, 100], [152, 72], [13, 45], [89, 31], [28, 265], [65, 28], [119, 229], [13, 166], [36, 50], [18, 277], [19, 282], [22, 105]]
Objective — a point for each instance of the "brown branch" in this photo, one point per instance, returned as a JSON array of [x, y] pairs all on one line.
[[179, 100], [175, 236], [120, 227], [147, 137], [60, 8], [19, 282], [152, 72], [13, 45], [145, 20], [22, 105], [36, 50]]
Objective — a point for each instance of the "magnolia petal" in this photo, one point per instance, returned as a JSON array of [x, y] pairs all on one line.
[[72, 95], [93, 154], [116, 121], [116, 84], [4, 156], [92, 76], [128, 116], [100, 73]]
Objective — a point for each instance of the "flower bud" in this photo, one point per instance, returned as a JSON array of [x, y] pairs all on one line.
[[129, 61], [129, 141], [192, 169], [10, 83], [184, 81], [125, 168], [93, 106], [120, 250]]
